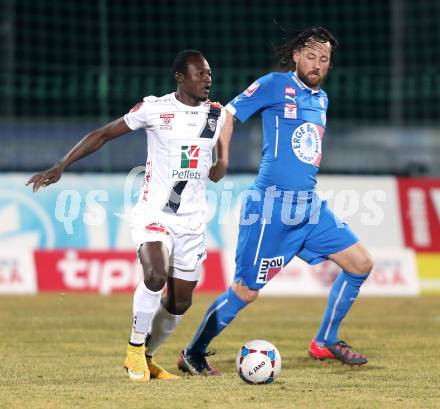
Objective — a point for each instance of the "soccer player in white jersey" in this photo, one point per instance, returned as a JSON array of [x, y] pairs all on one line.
[[168, 223]]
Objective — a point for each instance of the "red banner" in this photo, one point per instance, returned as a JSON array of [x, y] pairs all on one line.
[[108, 272], [420, 212]]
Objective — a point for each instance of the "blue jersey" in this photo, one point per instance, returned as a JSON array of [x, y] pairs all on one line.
[[294, 118]]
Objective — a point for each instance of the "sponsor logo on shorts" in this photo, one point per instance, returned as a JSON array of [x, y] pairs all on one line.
[[269, 267], [251, 89], [157, 228]]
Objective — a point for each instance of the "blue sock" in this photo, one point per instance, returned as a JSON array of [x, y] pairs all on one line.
[[344, 291], [221, 312]]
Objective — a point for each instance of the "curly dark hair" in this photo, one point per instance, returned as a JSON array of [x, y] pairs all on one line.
[[303, 39]]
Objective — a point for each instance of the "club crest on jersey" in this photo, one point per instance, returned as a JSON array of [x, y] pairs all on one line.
[[212, 124], [251, 89], [306, 143], [290, 111], [269, 267]]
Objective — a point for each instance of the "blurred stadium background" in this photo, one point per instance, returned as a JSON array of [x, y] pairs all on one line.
[[69, 66]]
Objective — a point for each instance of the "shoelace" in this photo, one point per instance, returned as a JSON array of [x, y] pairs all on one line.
[[346, 349], [200, 361]]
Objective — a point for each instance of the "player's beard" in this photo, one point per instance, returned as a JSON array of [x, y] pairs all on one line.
[[306, 80]]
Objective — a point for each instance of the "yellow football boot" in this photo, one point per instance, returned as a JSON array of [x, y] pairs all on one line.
[[136, 364], [157, 372]]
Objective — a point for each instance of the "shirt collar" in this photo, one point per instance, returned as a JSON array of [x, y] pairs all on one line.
[[302, 85], [181, 105]]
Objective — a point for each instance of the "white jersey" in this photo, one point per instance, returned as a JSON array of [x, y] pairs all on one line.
[[180, 143]]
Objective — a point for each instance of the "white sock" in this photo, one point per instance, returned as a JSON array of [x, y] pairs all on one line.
[[163, 325], [145, 305]]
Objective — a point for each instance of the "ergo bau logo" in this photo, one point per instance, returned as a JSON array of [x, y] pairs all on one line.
[[189, 159]]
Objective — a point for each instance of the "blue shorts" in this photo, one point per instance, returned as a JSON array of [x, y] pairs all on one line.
[[270, 236]]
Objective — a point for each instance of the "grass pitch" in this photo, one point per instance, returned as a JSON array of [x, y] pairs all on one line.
[[67, 352]]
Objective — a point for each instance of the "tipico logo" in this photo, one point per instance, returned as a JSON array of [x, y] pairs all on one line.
[[189, 156]]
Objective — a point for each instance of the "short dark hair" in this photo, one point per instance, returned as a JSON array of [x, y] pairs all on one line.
[[180, 63], [303, 39]]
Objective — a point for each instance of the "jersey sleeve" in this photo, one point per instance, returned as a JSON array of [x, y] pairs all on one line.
[[257, 96], [138, 116], [222, 118]]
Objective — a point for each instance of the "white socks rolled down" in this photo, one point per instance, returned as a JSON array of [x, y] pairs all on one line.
[[164, 324], [145, 305]]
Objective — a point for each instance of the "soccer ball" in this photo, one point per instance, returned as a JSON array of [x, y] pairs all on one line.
[[258, 362]]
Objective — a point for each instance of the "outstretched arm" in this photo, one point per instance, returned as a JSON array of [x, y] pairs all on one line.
[[90, 143], [218, 170]]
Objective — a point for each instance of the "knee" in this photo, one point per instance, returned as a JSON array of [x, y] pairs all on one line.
[[244, 293], [155, 279], [364, 264], [178, 307], [154, 261]]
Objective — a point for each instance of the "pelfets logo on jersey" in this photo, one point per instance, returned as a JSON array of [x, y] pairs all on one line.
[[269, 267], [306, 143], [189, 159]]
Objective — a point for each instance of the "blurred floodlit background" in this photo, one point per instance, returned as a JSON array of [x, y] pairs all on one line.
[[69, 66]]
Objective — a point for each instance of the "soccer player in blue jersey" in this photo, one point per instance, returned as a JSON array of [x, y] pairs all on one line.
[[291, 219]]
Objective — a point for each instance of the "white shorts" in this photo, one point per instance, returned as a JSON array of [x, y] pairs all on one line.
[[184, 238]]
